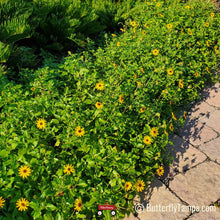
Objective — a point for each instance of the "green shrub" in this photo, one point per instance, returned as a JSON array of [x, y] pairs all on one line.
[[108, 113]]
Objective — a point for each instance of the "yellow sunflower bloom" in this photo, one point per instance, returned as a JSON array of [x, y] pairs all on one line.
[[147, 140], [24, 171], [22, 204], [100, 85], [68, 169], [169, 26], [2, 201], [174, 117], [79, 132], [207, 24], [146, 25], [142, 109], [154, 132], [207, 43], [171, 127], [139, 185], [155, 52], [187, 7], [118, 44], [78, 205], [181, 83], [196, 74], [189, 32], [133, 23], [160, 171], [144, 32], [41, 124], [158, 4], [33, 89], [128, 186], [170, 71], [99, 105], [185, 114], [212, 14], [121, 99]]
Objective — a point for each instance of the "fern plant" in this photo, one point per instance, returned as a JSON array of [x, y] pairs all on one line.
[[13, 25]]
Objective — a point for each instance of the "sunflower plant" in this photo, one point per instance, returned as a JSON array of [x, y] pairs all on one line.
[[92, 129]]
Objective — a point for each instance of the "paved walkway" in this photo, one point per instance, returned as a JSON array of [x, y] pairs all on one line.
[[194, 177]]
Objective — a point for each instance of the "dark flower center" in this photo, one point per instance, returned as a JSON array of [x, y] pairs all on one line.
[[24, 171], [23, 204], [140, 185], [79, 204]]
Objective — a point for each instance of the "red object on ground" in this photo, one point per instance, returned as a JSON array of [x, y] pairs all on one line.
[[106, 207]]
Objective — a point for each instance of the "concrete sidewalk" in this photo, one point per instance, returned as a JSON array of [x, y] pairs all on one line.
[[194, 177]]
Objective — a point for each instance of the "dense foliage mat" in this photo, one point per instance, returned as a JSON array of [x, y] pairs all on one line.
[[93, 129]]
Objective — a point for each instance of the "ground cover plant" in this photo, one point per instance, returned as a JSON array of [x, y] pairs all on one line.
[[93, 128]]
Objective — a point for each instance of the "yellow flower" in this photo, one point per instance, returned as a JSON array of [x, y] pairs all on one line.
[[142, 109], [207, 24], [68, 169], [166, 133], [185, 114], [174, 117], [181, 83], [41, 123], [128, 186], [196, 74], [160, 171], [139, 84], [187, 7], [139, 185], [212, 14], [144, 32], [171, 127], [99, 105], [33, 89], [133, 23], [135, 76], [72, 112], [147, 140], [158, 4], [189, 32], [142, 70], [161, 14], [169, 26], [170, 71], [24, 171], [114, 35], [79, 132], [123, 30], [100, 86], [118, 44], [155, 52], [78, 205], [121, 98], [22, 204], [207, 70], [114, 64], [146, 25], [154, 132], [2, 201], [207, 43]]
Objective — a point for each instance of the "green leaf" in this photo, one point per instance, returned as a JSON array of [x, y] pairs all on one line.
[[4, 153], [51, 207]]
